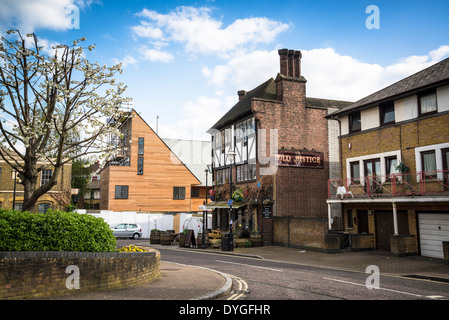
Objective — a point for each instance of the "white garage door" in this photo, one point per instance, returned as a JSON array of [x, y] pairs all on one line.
[[433, 230]]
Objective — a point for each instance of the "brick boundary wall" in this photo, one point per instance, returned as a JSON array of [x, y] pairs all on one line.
[[40, 274], [302, 233]]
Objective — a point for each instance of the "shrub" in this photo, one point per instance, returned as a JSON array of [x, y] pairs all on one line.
[[54, 231]]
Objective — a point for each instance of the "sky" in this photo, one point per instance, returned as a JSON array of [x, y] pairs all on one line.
[[184, 61]]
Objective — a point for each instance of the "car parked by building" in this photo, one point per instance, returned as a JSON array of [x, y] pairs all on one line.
[[127, 230]]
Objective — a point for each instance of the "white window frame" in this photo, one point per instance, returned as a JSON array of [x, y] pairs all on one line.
[[383, 166], [438, 155]]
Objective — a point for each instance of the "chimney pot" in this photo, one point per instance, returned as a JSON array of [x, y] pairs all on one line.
[[241, 94]]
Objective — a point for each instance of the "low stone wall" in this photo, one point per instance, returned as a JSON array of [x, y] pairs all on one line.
[[39, 274]]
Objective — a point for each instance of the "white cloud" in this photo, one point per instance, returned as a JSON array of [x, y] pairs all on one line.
[[201, 33], [329, 74], [155, 55], [199, 116], [334, 76], [244, 71], [29, 15], [126, 61]]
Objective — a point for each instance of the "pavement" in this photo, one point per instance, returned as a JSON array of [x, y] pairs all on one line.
[[185, 282]]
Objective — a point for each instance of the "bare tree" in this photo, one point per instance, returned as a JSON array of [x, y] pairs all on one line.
[[53, 108]]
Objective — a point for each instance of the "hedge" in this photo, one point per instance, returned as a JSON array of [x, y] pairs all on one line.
[[54, 231]]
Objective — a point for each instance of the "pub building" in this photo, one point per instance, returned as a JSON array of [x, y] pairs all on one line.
[[272, 154]]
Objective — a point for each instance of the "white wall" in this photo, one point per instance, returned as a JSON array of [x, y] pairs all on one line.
[[149, 221]]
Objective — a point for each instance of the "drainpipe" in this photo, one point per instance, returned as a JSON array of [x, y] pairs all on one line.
[[395, 219]]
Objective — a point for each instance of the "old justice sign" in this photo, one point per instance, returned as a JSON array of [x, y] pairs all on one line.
[[303, 159]]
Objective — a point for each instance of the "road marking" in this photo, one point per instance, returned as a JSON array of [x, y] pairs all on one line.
[[249, 265], [242, 288], [363, 285]]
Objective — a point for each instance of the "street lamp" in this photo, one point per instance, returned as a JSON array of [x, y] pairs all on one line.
[[205, 212], [14, 195], [231, 240]]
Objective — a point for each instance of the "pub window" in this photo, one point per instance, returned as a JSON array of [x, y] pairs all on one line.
[[140, 165], [46, 176], [121, 192], [179, 193], [355, 124], [140, 147], [428, 103], [252, 171], [387, 113]]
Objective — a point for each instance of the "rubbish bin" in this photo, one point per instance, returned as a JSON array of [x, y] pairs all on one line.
[[227, 242]]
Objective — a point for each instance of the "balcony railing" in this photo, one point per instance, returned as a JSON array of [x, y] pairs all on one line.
[[398, 184]]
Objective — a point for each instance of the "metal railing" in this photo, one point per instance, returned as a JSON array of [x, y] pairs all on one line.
[[398, 184]]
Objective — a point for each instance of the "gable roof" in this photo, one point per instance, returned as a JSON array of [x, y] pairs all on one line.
[[266, 90], [427, 78], [134, 112]]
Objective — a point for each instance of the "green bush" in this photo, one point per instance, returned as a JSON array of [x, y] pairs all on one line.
[[54, 231]]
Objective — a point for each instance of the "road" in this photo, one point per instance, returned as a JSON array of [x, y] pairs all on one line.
[[259, 279]]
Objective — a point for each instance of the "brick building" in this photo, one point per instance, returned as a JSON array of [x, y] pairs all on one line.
[[395, 159], [57, 198], [274, 146]]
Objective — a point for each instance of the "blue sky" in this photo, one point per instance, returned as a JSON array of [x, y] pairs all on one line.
[[184, 61]]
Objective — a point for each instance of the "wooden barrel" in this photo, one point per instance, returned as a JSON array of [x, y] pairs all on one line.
[[155, 237], [166, 238], [182, 239], [199, 240], [256, 239]]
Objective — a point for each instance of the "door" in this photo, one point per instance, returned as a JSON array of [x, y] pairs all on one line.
[[385, 227], [372, 170], [433, 230]]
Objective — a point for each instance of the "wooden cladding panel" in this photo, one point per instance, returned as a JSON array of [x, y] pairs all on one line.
[[162, 170]]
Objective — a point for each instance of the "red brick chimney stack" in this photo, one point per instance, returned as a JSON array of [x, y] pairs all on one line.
[[290, 62], [297, 70]]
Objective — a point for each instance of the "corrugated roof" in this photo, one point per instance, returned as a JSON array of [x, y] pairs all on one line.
[[432, 75]]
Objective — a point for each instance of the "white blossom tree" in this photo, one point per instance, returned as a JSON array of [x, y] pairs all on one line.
[[53, 109]]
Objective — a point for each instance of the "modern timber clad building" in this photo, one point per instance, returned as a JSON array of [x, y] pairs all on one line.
[[145, 175], [254, 147], [394, 144]]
